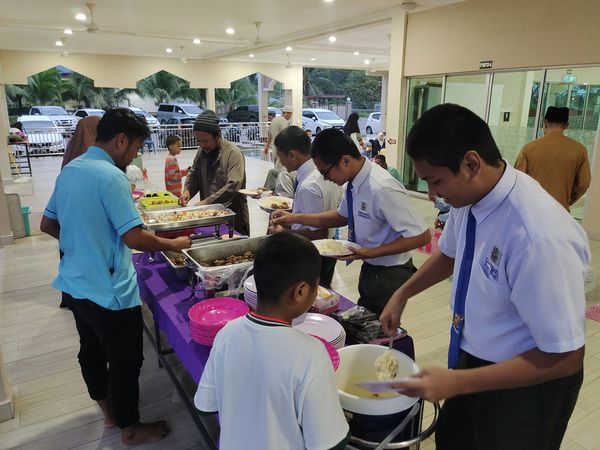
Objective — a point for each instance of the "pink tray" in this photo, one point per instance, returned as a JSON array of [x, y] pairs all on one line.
[[331, 351], [216, 312]]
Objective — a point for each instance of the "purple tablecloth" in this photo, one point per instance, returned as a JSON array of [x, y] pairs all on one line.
[[169, 299]]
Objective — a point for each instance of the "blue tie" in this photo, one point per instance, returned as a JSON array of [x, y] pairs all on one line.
[[458, 318], [351, 233]]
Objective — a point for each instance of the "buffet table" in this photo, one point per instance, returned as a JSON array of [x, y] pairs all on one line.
[[169, 300]]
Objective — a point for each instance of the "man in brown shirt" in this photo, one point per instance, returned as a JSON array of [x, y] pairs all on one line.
[[559, 163], [218, 172]]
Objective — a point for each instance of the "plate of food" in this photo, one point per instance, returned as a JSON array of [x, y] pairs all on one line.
[[274, 203], [255, 192], [334, 247]]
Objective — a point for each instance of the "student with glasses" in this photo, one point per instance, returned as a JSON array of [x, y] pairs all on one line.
[[378, 213]]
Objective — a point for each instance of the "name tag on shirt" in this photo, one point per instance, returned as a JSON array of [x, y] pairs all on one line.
[[490, 271], [364, 214]]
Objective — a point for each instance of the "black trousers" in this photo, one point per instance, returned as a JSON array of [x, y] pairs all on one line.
[[110, 356], [327, 269], [529, 418], [376, 284]]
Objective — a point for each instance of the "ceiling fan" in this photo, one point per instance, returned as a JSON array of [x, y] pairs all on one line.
[[257, 39]]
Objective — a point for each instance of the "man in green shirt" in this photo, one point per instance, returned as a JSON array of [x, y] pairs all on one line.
[[380, 160]]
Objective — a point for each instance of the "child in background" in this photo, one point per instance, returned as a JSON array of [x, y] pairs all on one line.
[[444, 211], [272, 385], [173, 175]]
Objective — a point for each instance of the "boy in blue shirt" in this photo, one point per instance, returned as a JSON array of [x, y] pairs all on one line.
[[272, 385]]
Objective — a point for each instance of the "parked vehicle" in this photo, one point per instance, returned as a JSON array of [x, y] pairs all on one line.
[[373, 123], [250, 113], [86, 112], [42, 134], [183, 110], [150, 119], [318, 120], [62, 119]]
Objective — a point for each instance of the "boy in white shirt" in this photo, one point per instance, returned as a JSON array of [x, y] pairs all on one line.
[[272, 385]]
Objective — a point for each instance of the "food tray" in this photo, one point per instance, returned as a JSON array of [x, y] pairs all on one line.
[[199, 255], [181, 272], [158, 200], [151, 222]]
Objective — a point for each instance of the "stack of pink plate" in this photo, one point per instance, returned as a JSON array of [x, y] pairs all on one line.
[[209, 316], [322, 326], [250, 295], [331, 351]]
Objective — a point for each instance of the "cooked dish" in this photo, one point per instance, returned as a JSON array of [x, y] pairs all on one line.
[[280, 204], [231, 259], [386, 366], [331, 247], [179, 216], [177, 260]]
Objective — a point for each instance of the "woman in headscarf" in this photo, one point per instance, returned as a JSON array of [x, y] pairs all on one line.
[[352, 129], [84, 136]]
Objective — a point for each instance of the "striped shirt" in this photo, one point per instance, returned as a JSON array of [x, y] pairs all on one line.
[[173, 176]]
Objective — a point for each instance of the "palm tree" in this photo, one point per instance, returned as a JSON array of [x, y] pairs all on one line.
[[165, 87], [242, 92], [318, 82], [107, 98], [43, 88], [81, 89]]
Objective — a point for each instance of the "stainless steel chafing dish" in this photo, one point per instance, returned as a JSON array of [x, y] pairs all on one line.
[[181, 271], [200, 255], [152, 219]]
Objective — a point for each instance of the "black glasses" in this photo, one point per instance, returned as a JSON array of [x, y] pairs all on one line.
[[327, 171]]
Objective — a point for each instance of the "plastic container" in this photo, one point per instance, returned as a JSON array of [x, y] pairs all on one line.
[[25, 212]]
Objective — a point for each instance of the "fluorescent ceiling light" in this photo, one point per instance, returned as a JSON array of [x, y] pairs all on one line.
[[288, 49], [68, 31], [169, 50], [230, 31], [60, 43], [251, 55], [367, 62], [81, 17], [313, 59], [332, 39], [196, 41], [356, 53]]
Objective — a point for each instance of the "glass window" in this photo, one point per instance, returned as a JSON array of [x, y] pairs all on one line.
[[469, 91], [512, 110], [423, 94]]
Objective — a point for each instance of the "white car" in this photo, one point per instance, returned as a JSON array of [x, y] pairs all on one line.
[[86, 112], [316, 120], [373, 123], [150, 119], [42, 134]]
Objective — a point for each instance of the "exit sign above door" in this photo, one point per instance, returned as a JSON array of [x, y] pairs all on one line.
[[485, 64]]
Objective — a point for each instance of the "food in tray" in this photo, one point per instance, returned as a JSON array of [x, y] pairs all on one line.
[[183, 215], [324, 293], [231, 259], [334, 247], [279, 204], [177, 260]]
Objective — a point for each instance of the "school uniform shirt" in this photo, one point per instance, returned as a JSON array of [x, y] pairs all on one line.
[[273, 387], [314, 194], [92, 203], [382, 213], [526, 288]]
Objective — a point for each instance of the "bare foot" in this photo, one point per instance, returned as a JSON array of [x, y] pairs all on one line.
[[144, 433], [109, 422]]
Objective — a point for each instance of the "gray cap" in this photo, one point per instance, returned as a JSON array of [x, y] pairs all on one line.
[[207, 121]]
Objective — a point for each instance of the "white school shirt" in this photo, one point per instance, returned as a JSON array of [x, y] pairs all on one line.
[[382, 212], [273, 387], [526, 287], [314, 194]]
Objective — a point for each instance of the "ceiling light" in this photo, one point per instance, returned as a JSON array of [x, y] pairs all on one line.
[[367, 62], [68, 31], [328, 1], [313, 59], [81, 17], [169, 50], [230, 31], [60, 42], [356, 53], [288, 49], [251, 55], [196, 41], [332, 39]]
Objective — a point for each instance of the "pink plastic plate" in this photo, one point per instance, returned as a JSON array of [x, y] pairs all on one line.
[[331, 351], [216, 312]]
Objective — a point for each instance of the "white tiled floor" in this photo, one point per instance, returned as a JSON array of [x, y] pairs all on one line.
[[38, 341]]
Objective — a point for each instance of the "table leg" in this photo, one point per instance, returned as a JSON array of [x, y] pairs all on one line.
[[158, 342]]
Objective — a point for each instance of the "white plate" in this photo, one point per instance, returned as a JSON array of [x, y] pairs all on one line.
[[320, 325], [266, 203], [250, 285], [254, 192], [334, 247]]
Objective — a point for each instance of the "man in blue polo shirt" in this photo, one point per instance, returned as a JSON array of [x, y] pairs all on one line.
[[93, 216]]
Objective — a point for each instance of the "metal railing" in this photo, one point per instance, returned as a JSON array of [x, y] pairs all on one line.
[[249, 136]]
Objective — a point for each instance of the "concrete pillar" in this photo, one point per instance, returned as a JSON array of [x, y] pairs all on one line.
[[396, 93], [6, 234], [263, 96], [211, 102], [384, 103]]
